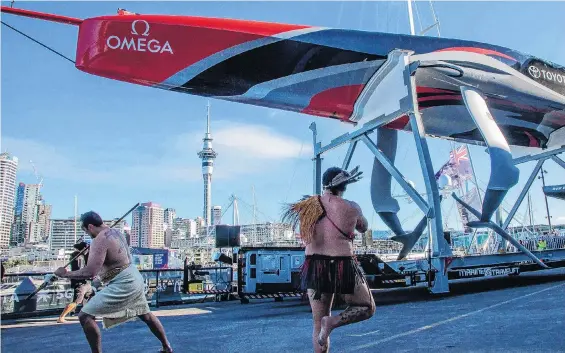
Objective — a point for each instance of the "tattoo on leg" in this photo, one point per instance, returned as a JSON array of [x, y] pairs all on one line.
[[354, 314]]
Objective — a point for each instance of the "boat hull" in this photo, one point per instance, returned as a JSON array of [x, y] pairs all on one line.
[[322, 72]]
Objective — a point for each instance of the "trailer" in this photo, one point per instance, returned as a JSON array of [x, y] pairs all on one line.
[[269, 272]]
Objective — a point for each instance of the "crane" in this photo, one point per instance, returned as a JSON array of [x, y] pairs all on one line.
[[37, 176]]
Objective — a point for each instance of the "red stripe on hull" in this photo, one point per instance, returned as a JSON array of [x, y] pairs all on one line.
[[439, 97], [420, 89], [533, 141], [478, 51], [342, 98]]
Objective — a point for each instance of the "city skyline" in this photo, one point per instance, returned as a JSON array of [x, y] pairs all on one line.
[[155, 134]]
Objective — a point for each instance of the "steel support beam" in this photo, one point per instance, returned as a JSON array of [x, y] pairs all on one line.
[[522, 194], [389, 166], [558, 161], [349, 154], [317, 189], [438, 244], [539, 156]]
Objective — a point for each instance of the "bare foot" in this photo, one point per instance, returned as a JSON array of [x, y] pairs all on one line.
[[324, 334]]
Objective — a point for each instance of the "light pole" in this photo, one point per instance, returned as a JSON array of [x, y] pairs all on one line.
[[542, 177]]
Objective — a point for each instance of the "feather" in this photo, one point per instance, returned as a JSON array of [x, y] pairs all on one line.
[[345, 178]]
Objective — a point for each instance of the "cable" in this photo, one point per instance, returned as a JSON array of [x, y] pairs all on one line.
[[38, 42]]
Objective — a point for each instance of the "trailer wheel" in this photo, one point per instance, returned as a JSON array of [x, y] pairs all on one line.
[[244, 300]]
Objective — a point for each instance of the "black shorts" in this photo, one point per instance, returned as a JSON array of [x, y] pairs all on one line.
[[330, 274], [83, 291]]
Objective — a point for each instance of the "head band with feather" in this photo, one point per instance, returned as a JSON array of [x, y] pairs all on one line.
[[345, 177]]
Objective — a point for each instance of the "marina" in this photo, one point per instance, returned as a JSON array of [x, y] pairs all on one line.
[[454, 255]]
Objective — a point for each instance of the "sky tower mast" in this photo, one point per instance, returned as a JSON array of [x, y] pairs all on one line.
[[207, 155]]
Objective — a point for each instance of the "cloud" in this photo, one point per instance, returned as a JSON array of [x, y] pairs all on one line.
[[243, 149], [48, 160], [558, 220], [260, 142]]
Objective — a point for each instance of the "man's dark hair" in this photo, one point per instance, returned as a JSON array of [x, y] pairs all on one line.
[[328, 177], [80, 246], [91, 217]]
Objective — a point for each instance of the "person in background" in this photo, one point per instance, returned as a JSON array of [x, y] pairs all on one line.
[[82, 288]]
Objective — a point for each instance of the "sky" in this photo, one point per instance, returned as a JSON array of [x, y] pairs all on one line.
[[113, 144]]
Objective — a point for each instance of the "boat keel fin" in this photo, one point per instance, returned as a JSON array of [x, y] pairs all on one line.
[[503, 173], [408, 240]]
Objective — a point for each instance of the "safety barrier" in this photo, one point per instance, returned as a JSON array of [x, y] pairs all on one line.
[[551, 243], [162, 287]]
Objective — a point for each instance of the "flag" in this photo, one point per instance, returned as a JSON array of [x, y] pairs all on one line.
[[461, 163], [457, 168]]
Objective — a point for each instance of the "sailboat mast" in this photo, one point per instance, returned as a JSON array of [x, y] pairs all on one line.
[[453, 154], [474, 175], [530, 211], [411, 17], [254, 213], [75, 227]]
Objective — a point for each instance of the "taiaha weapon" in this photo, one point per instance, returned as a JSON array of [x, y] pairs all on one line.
[[52, 278]]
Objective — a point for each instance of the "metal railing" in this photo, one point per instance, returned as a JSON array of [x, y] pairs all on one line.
[[551, 243], [162, 287]]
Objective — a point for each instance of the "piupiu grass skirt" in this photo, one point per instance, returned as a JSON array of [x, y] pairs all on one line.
[[330, 274]]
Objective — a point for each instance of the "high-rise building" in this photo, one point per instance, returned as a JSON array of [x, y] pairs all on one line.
[[191, 225], [8, 169], [207, 155], [168, 219], [169, 216], [18, 226], [217, 215], [44, 220], [200, 226], [63, 234], [147, 228], [27, 228]]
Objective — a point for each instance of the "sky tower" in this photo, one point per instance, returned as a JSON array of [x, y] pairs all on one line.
[[207, 155]]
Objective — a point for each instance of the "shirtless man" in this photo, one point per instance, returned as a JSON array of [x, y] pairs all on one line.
[[123, 297], [327, 225]]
